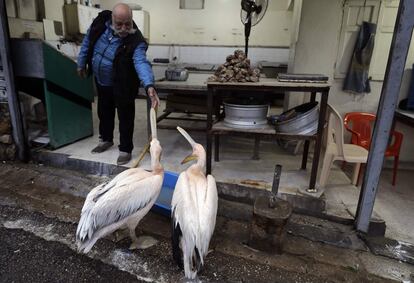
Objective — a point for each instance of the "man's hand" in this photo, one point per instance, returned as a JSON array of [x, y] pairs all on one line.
[[155, 101], [82, 73]]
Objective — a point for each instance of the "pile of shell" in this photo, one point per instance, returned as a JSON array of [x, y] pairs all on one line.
[[236, 69]]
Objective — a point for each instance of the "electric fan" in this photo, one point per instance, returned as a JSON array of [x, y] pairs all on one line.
[[252, 11]]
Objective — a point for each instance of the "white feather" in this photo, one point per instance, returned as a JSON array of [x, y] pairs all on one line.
[[194, 205], [129, 196], [208, 214], [90, 201]]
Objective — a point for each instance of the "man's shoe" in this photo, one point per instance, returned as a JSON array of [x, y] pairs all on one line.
[[123, 158], [102, 146]]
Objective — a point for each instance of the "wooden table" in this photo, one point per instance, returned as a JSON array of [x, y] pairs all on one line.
[[195, 85], [270, 86]]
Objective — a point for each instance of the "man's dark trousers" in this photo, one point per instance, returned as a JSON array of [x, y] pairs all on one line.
[[107, 102]]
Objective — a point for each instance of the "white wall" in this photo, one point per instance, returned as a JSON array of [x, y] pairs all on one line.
[[317, 42], [316, 52], [217, 24], [209, 35], [214, 54], [189, 34]]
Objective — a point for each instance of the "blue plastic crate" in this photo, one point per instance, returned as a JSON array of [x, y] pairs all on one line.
[[163, 203]]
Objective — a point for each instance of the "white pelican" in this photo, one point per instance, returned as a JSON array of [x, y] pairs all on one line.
[[124, 201], [194, 210]]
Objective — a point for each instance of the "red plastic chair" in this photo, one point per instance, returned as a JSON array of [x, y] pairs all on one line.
[[360, 125]]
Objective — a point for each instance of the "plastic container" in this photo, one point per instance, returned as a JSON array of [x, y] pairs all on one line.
[[163, 203]]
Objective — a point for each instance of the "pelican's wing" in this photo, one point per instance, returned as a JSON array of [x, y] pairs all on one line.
[[116, 205], [208, 214], [124, 198], [138, 174], [184, 207], [101, 189], [185, 214]]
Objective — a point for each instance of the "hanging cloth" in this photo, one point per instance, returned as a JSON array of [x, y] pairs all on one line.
[[357, 80]]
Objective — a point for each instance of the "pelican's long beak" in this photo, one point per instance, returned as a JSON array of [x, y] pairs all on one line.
[[186, 135], [153, 122], [189, 158]]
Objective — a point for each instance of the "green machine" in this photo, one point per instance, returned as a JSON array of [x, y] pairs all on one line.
[[46, 73]]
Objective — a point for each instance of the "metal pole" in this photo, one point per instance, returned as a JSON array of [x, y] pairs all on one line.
[[275, 186], [385, 114], [13, 101], [276, 179]]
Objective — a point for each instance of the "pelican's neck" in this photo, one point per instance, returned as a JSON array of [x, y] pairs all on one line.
[[156, 165], [201, 162]]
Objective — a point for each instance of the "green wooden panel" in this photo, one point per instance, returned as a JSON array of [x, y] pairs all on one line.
[[68, 121], [61, 70], [68, 99]]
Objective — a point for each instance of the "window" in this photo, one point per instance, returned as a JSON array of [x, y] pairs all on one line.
[[192, 4]]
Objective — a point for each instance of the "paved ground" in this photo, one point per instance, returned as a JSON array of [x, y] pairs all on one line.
[[35, 250], [39, 208], [26, 257]]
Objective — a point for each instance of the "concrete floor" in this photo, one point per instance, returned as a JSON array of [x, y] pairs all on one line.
[[394, 204]]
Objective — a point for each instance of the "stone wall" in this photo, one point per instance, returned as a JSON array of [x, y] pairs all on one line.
[[7, 146]]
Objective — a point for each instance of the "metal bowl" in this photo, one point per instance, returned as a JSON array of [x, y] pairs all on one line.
[[305, 120]]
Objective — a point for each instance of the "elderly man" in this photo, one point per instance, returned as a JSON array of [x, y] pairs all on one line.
[[114, 50]]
